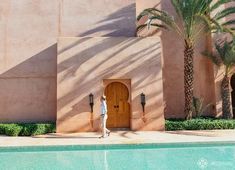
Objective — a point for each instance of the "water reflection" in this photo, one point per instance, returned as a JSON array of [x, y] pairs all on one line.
[[106, 165], [172, 158]]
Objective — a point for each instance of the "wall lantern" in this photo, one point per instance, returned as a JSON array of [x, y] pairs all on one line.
[[143, 101], [91, 101]]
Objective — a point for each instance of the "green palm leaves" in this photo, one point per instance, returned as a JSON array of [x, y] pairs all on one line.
[[225, 57], [193, 18]]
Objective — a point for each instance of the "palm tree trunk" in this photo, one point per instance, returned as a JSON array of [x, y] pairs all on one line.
[[188, 79], [226, 101]]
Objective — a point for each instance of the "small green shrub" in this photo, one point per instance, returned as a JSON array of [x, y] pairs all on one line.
[[12, 130], [26, 129], [199, 124], [44, 128], [2, 129]]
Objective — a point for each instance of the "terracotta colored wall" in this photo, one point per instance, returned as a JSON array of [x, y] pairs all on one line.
[[173, 47], [28, 31], [81, 18], [28, 34], [28, 48], [83, 64], [219, 72]]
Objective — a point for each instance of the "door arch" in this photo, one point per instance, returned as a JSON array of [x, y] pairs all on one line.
[[117, 95]]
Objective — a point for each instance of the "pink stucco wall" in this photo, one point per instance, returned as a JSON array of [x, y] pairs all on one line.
[[173, 47], [219, 72], [83, 65], [79, 18], [28, 51], [28, 33]]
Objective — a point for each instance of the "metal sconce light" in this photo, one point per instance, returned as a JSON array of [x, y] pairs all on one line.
[[91, 101], [143, 101]]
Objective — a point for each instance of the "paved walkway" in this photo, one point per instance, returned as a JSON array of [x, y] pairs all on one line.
[[120, 137]]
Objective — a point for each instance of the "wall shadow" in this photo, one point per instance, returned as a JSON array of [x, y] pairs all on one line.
[[28, 89], [119, 23], [173, 67], [100, 63]]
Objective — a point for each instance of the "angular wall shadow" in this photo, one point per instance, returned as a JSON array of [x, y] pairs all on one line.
[[111, 24], [75, 100], [28, 90]]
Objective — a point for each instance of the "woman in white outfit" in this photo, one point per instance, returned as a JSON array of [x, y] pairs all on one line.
[[103, 117]]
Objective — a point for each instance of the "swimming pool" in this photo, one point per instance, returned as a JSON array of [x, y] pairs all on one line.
[[120, 157]]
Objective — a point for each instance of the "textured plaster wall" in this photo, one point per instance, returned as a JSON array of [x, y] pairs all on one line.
[[219, 72], [83, 64], [28, 31], [28, 48], [115, 18], [173, 82]]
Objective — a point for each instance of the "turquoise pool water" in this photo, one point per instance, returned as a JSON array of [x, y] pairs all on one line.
[[120, 157]]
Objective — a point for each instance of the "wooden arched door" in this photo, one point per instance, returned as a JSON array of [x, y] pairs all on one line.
[[117, 95]]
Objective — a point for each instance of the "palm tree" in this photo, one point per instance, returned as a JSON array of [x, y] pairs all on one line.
[[195, 16], [225, 58]]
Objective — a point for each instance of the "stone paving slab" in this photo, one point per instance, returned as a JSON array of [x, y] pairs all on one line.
[[121, 137]]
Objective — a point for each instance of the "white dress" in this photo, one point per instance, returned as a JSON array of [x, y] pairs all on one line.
[[103, 108], [104, 116]]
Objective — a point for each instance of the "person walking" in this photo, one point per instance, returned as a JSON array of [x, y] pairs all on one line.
[[103, 117]]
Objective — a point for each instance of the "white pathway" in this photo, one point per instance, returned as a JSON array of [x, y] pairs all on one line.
[[120, 137]]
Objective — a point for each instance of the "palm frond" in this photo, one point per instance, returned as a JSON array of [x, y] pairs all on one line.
[[194, 17], [225, 53], [158, 18], [176, 4], [216, 26], [148, 12], [205, 20], [143, 26], [224, 13], [230, 22], [219, 3], [214, 58]]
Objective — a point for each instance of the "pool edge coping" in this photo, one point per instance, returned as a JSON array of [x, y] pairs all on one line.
[[82, 147]]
